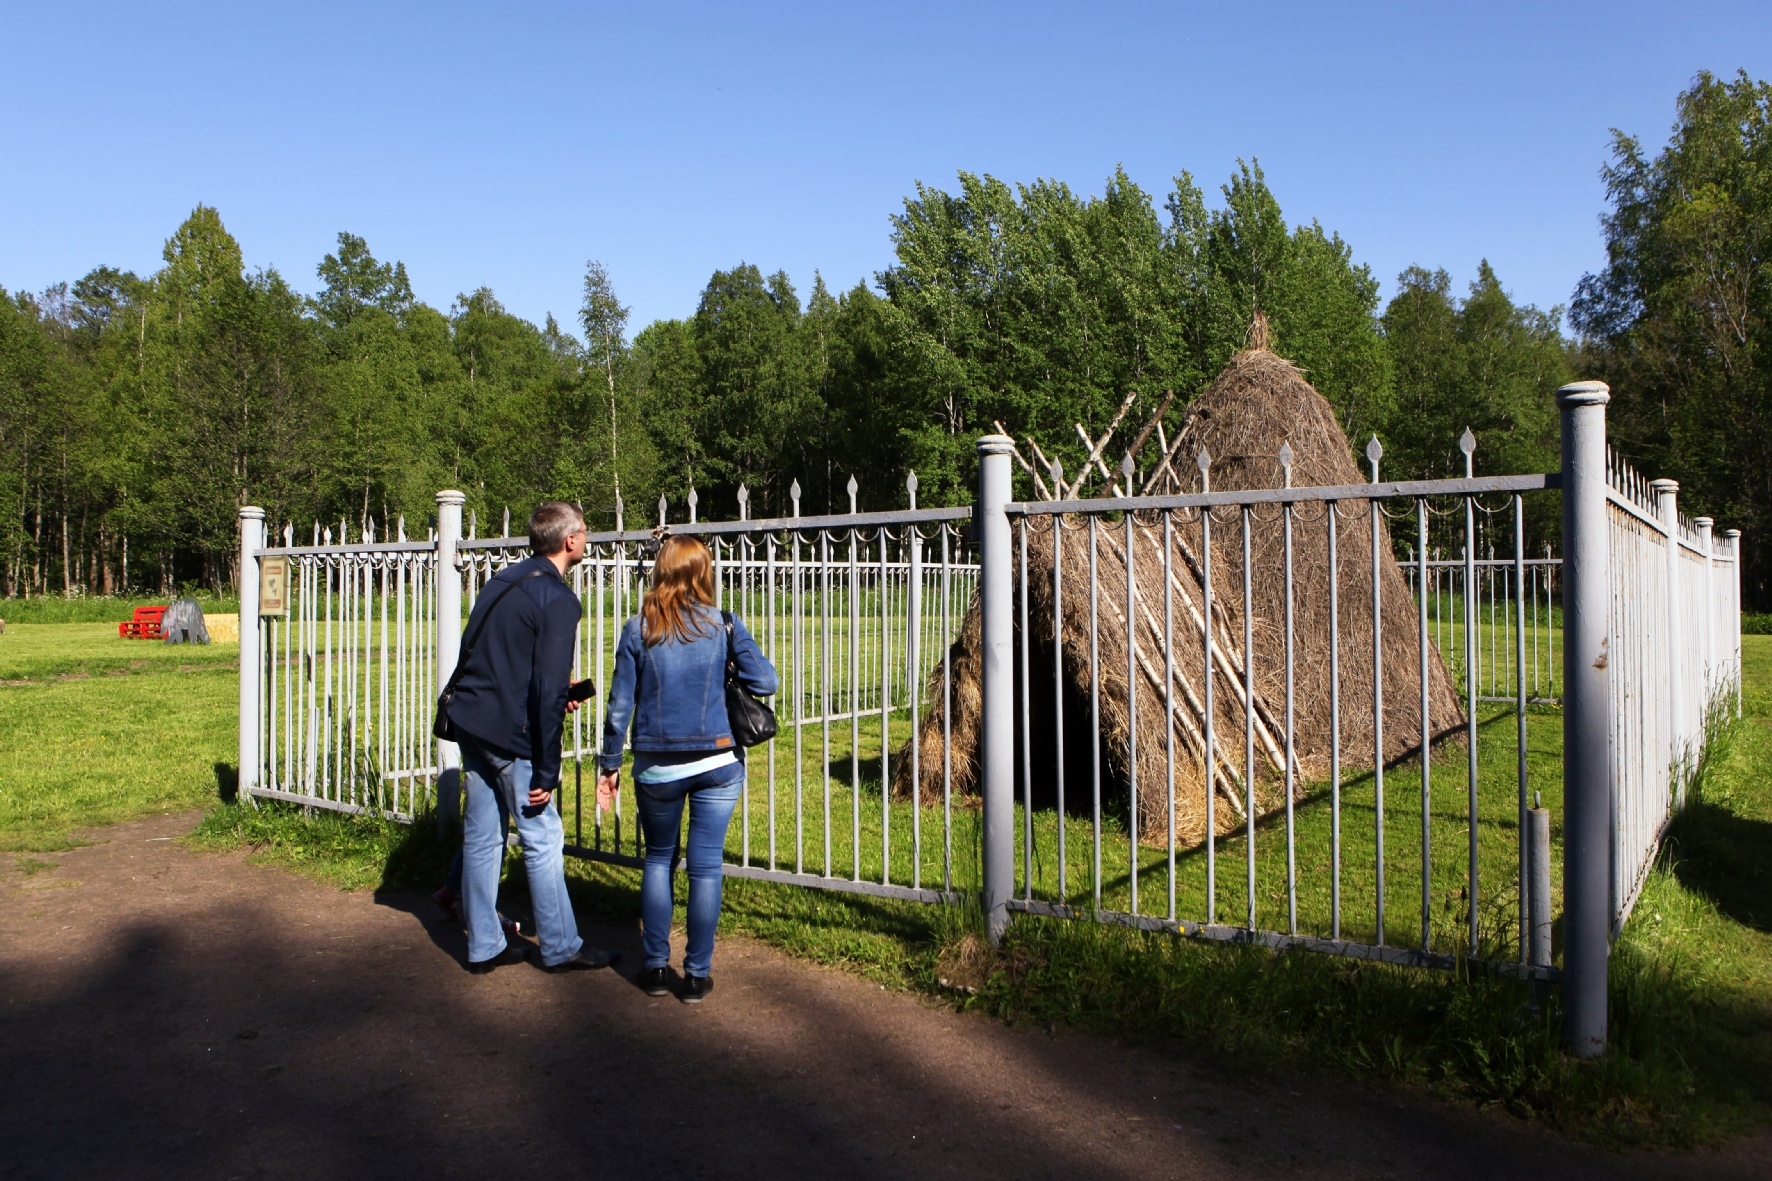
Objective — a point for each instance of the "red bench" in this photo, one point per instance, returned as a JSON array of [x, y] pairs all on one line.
[[143, 625]]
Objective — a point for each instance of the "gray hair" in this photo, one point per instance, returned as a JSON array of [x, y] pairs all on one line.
[[551, 524]]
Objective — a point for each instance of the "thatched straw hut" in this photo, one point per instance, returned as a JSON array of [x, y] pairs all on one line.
[[1259, 403]]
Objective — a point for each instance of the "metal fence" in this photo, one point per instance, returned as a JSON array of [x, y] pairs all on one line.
[[1369, 821], [1311, 717], [1674, 662], [347, 679]]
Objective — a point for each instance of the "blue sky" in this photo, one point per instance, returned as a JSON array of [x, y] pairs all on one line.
[[503, 145]]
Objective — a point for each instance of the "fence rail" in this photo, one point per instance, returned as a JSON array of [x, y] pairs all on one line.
[[1315, 717]]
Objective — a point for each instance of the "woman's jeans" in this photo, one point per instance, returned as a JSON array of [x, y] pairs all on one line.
[[712, 796]]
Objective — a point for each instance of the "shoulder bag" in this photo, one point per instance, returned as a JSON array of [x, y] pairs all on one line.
[[752, 722]]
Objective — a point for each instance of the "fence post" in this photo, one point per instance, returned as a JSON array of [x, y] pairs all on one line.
[[449, 503], [1734, 620], [1705, 525], [252, 539], [1587, 781], [996, 587], [1667, 506]]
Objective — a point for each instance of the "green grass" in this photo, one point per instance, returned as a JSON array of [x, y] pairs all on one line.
[[95, 729], [1692, 979]]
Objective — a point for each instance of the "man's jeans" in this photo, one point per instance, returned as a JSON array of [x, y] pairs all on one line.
[[712, 796], [496, 788]]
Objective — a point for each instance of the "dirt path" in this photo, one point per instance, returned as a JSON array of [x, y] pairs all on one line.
[[174, 1014]]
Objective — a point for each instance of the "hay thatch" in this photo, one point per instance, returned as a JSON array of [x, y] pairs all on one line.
[[1257, 404]]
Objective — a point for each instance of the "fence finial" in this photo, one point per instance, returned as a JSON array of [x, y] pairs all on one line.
[[1127, 467], [1374, 453], [853, 486], [910, 485], [694, 500], [794, 491], [507, 531], [1058, 488], [1467, 443], [1286, 462], [1204, 459], [744, 503], [663, 506]]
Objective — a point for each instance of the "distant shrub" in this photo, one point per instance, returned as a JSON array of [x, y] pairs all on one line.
[[93, 610]]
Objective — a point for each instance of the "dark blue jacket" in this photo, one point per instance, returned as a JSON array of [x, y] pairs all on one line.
[[512, 691], [674, 692]]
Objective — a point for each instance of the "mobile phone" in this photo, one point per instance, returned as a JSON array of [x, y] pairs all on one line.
[[581, 690]]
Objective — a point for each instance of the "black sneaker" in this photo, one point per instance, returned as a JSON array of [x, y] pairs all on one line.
[[656, 981], [586, 959], [514, 953], [696, 988]]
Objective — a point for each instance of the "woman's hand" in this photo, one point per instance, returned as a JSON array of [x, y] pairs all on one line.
[[607, 784]]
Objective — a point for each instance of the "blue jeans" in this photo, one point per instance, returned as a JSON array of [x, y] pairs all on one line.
[[496, 789], [712, 796]]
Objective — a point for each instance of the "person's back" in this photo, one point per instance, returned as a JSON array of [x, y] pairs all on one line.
[[507, 704], [670, 690]]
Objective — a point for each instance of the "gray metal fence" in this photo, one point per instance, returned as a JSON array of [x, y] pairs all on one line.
[[1313, 717]]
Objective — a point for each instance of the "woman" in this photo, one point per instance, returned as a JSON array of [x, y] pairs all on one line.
[[670, 682]]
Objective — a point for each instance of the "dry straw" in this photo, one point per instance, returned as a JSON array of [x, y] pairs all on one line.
[[1258, 404]]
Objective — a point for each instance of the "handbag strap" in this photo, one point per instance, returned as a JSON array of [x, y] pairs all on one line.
[[474, 635], [730, 660]]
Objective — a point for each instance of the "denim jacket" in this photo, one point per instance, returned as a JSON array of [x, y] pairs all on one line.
[[674, 692]]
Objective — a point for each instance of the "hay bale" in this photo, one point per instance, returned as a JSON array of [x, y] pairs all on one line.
[[1257, 404]]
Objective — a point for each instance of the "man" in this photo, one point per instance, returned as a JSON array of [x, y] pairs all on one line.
[[508, 707]]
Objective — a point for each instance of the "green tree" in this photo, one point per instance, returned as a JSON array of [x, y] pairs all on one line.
[[1678, 321], [1482, 362]]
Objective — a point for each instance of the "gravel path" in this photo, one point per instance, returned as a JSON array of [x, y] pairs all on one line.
[[177, 1014]]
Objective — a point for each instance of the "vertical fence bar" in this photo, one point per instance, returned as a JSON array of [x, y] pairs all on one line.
[[1131, 698], [1709, 645], [1058, 683], [1023, 709], [1204, 460], [1733, 619], [1334, 512], [252, 662], [1520, 715], [997, 745], [1427, 779], [1375, 452], [1586, 773], [1290, 778], [1667, 506], [1169, 695], [1472, 605], [448, 588]]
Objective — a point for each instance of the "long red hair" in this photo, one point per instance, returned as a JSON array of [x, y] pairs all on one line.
[[682, 577]]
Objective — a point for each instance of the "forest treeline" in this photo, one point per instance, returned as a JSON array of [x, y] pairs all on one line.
[[137, 413]]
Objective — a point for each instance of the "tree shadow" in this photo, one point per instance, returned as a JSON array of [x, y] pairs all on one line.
[[227, 782]]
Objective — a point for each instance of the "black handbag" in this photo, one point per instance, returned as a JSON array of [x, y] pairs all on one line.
[[752, 723], [441, 726]]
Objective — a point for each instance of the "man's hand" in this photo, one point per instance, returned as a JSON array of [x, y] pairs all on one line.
[[607, 783], [538, 797]]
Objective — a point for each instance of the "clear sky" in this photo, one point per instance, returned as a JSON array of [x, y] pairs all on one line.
[[502, 145]]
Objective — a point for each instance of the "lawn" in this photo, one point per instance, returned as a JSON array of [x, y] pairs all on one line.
[[95, 729]]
